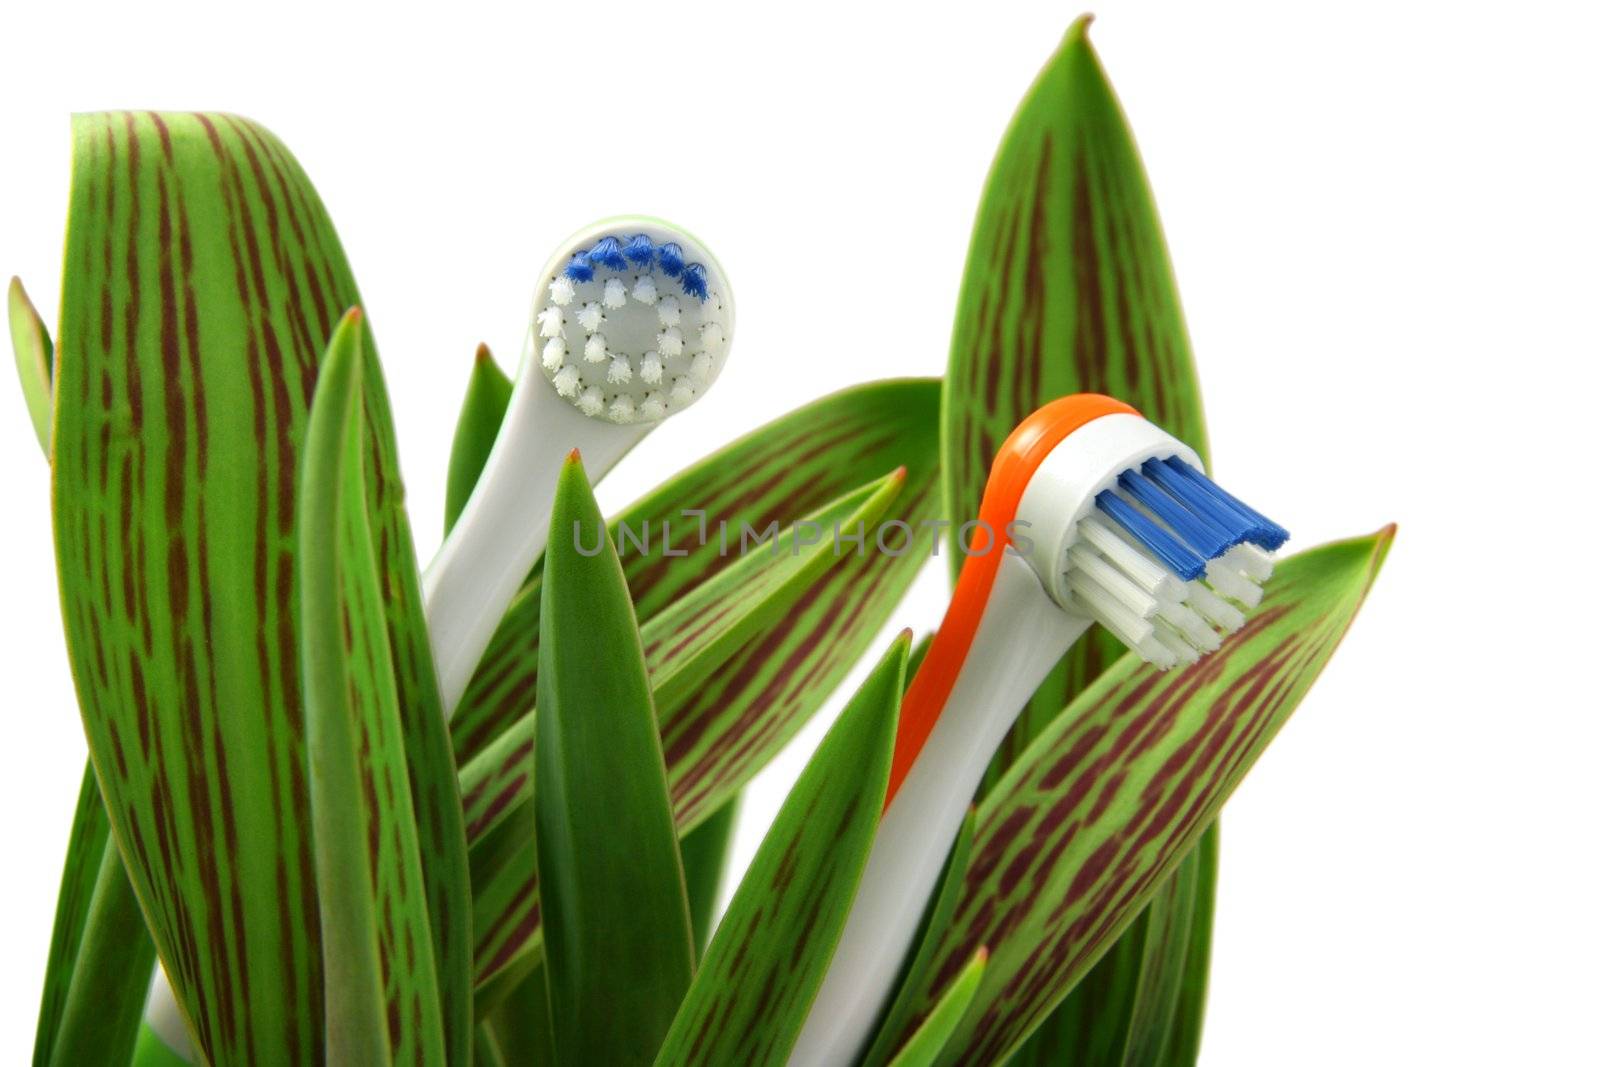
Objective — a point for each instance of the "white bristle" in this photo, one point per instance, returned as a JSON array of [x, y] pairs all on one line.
[[592, 402], [682, 391], [669, 342], [1136, 600], [644, 290], [1214, 609], [620, 372], [1149, 608], [1230, 583], [561, 291], [566, 381], [1174, 643], [594, 349], [555, 354], [616, 294], [1107, 608], [1254, 563], [1145, 572], [590, 316], [700, 368], [550, 322], [621, 409], [1189, 623], [654, 407], [650, 369], [667, 311], [712, 337]]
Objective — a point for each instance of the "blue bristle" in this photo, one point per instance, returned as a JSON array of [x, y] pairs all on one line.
[[1173, 553], [694, 280], [1240, 527], [608, 252], [1202, 535], [1263, 531], [671, 258], [641, 250], [580, 269]]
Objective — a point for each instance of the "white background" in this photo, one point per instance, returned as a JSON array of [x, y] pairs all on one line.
[[1383, 222]]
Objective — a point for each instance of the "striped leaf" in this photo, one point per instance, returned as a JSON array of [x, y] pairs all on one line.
[[934, 923], [1107, 801], [1067, 288], [105, 999], [618, 946], [1147, 993], [780, 472], [89, 1012], [768, 956], [381, 1000], [924, 1046], [202, 280], [482, 411], [30, 344], [724, 730]]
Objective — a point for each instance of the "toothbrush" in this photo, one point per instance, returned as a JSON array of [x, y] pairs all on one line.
[[1091, 514], [632, 324]]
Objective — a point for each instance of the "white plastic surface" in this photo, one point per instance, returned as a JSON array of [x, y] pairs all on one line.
[[506, 521], [1020, 638], [1063, 489]]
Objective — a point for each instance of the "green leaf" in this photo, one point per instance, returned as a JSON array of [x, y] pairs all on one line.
[[30, 343], [1182, 1047], [104, 1003], [779, 473], [521, 1023], [1102, 807], [721, 732], [705, 861], [86, 849], [1068, 288], [931, 932], [685, 643], [924, 1046], [1168, 922], [618, 946], [482, 411], [203, 278], [376, 945], [486, 1048], [151, 1051], [767, 959]]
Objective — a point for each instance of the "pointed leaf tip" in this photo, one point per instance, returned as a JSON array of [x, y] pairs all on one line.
[[35, 359], [1079, 30]]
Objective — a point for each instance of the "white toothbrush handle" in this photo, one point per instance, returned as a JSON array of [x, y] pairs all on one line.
[[506, 521], [1020, 638]]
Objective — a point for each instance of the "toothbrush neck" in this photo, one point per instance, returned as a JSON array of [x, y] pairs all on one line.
[[1022, 634], [930, 688]]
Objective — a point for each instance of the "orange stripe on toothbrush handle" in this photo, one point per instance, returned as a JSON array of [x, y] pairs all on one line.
[[1014, 466]]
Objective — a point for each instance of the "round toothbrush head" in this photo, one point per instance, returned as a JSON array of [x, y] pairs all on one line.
[[633, 320]]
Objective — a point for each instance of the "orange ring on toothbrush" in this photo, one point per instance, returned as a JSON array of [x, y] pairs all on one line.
[[1014, 466]]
